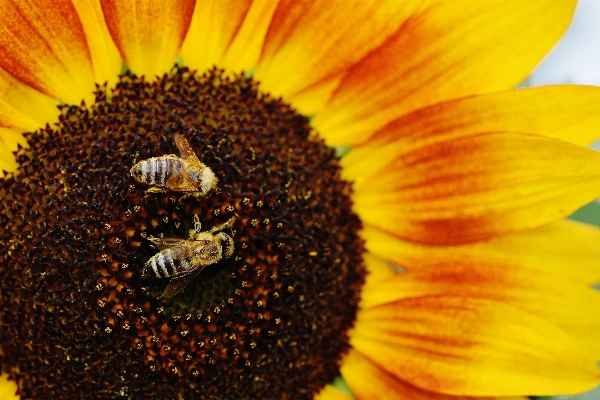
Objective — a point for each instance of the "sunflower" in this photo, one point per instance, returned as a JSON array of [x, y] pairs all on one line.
[[396, 209]]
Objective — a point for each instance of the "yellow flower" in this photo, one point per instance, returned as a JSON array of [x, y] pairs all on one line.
[[451, 197]]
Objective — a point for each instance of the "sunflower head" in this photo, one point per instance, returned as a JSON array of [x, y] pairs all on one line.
[[78, 316]]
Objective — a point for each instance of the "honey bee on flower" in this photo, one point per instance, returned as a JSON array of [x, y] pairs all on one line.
[[184, 259], [186, 174]]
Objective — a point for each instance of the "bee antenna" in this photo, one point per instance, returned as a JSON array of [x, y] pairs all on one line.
[[230, 223]]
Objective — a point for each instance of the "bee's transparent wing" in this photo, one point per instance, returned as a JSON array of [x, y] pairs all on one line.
[[165, 243], [179, 282], [185, 149]]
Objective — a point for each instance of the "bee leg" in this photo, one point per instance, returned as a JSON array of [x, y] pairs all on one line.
[[198, 195], [156, 190], [197, 227], [227, 224], [185, 196]]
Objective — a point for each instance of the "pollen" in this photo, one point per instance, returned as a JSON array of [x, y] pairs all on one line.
[[269, 322]]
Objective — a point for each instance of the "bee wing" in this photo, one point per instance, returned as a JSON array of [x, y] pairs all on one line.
[[185, 149], [165, 243], [179, 282]]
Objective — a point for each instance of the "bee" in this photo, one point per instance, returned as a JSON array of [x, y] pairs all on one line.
[[185, 174], [184, 259]]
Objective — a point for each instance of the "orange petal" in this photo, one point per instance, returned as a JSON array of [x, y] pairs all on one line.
[[368, 381], [566, 248], [106, 58], [148, 33], [43, 45], [572, 307], [565, 112], [443, 51], [8, 388], [10, 139], [331, 393], [475, 347], [309, 42], [213, 27], [452, 190], [22, 107]]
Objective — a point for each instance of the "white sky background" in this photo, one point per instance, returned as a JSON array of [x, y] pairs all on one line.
[[575, 59]]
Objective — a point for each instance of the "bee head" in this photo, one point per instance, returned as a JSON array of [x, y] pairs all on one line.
[[136, 171], [226, 244], [204, 179]]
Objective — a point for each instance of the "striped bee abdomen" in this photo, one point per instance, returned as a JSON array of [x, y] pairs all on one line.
[[169, 262], [156, 170]]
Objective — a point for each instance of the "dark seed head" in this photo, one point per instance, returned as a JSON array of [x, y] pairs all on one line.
[[270, 321]]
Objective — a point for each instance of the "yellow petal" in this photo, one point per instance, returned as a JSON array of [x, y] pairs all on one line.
[[566, 248], [566, 112], [105, 56], [43, 45], [368, 381], [572, 307], [8, 388], [475, 347], [213, 27], [445, 50], [228, 34], [378, 269], [244, 51], [313, 99], [452, 190], [148, 33], [312, 41], [10, 139], [22, 107], [331, 393]]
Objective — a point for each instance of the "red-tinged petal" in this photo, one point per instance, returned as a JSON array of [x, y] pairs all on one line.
[[565, 112], [148, 33], [213, 27], [572, 307], [474, 347], [554, 248], [445, 50], [22, 107], [331, 393], [313, 41], [106, 58], [368, 381], [43, 45], [8, 388], [10, 139], [453, 190]]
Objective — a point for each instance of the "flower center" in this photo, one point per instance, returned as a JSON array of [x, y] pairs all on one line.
[[270, 321]]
